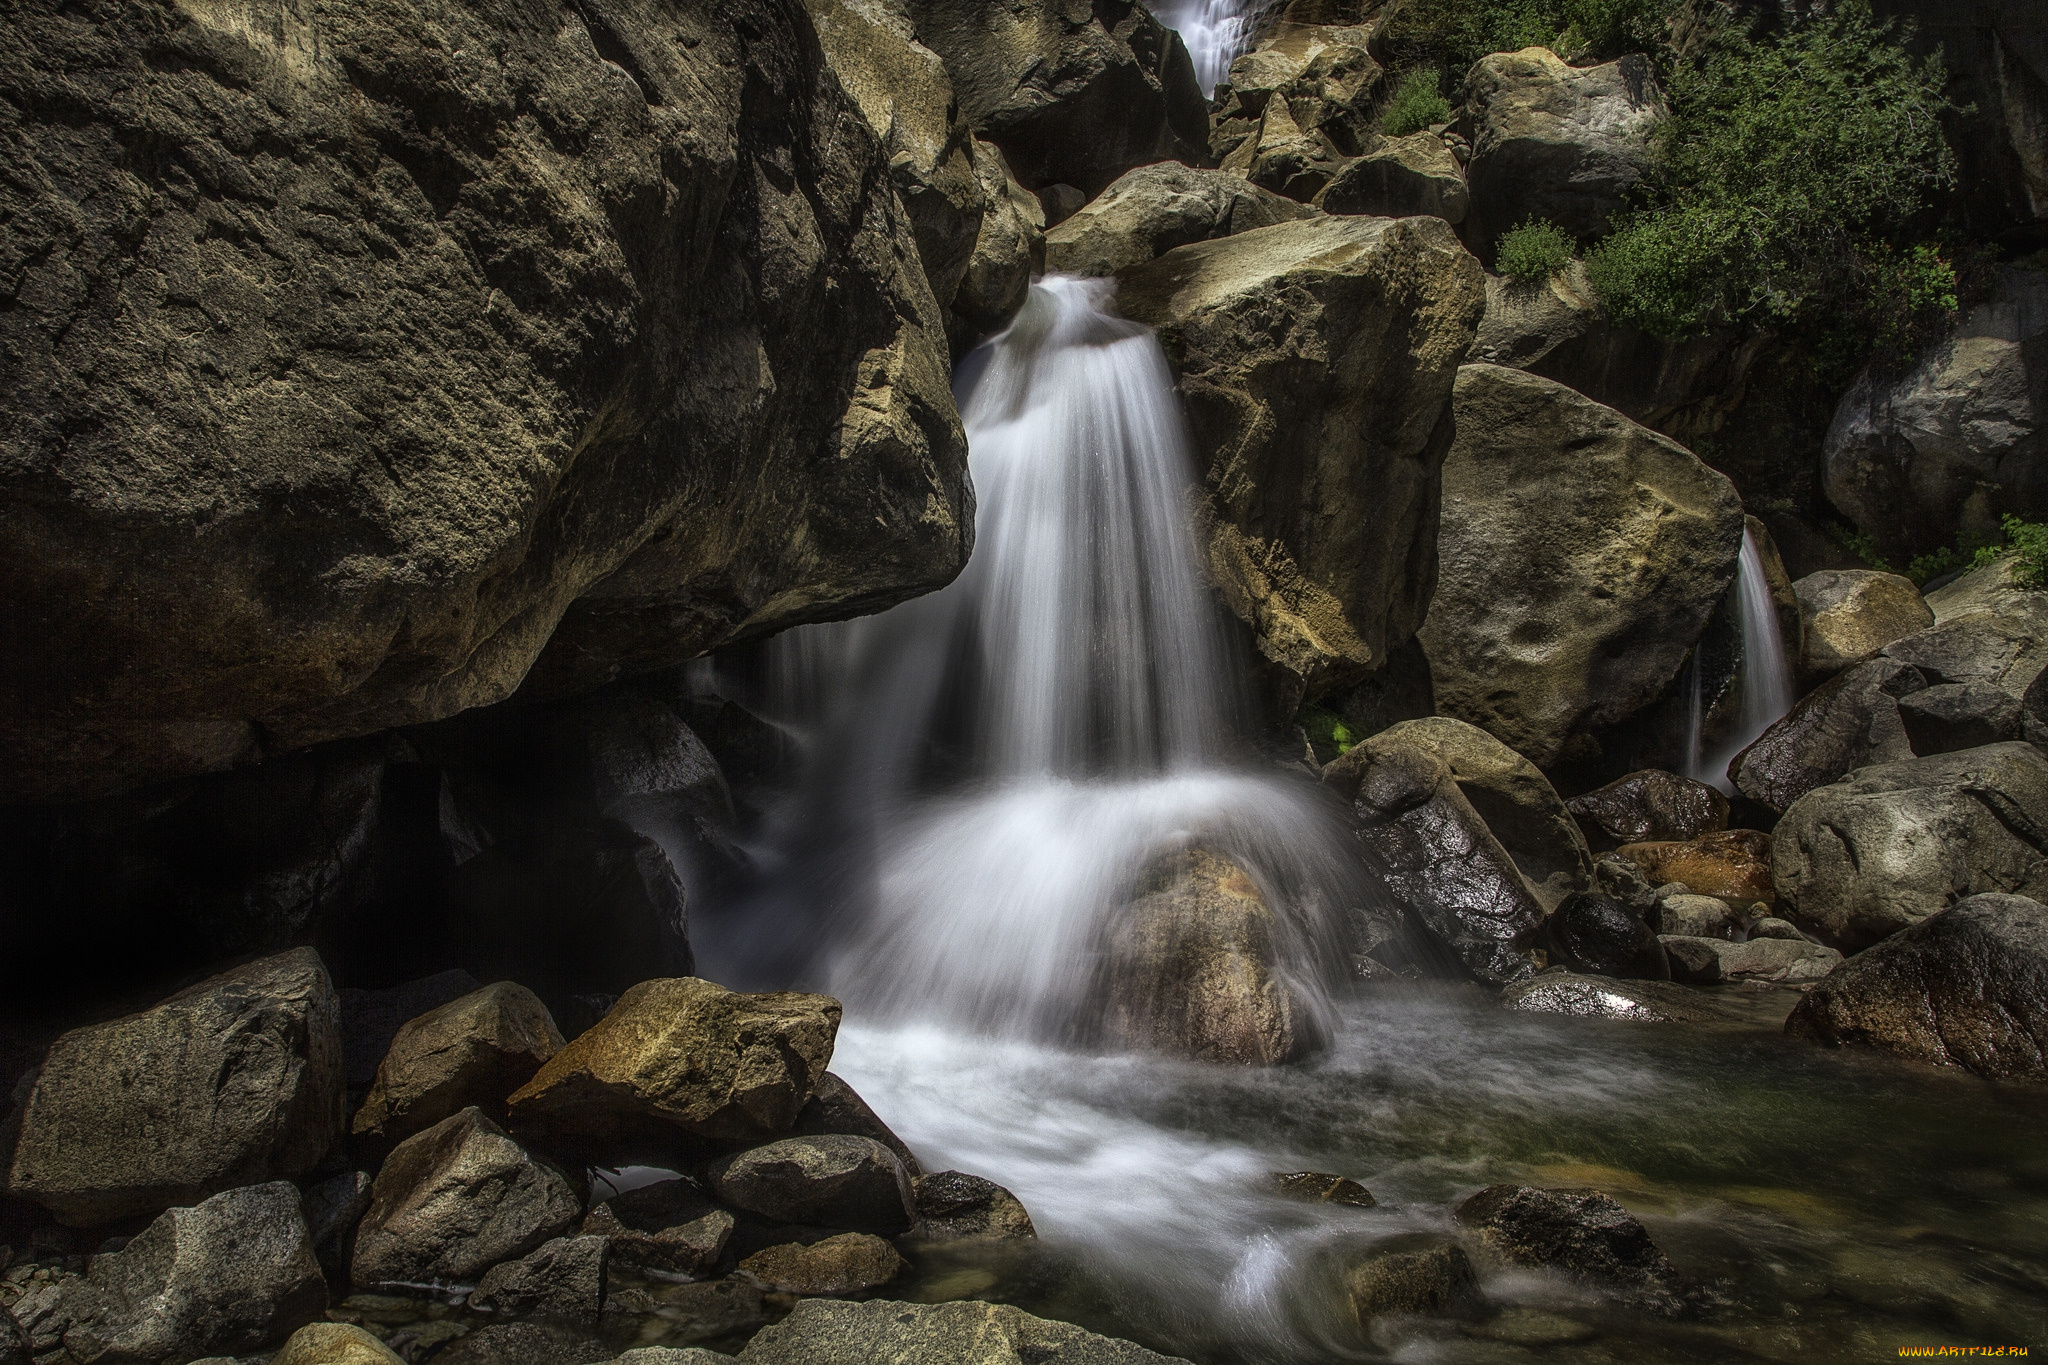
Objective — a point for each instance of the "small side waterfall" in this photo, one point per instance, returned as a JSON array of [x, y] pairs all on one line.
[[1764, 688], [1217, 33]]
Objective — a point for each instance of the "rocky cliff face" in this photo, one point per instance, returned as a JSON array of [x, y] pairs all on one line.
[[368, 362]]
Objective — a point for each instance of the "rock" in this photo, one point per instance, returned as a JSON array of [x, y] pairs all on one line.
[[1852, 613], [1953, 716], [371, 1019], [1849, 722], [1959, 440], [1526, 320], [228, 1276], [1318, 1187], [564, 1280], [1694, 960], [332, 1210], [1583, 1233], [597, 339], [234, 1081], [851, 1263], [1322, 74], [1190, 967], [1072, 95], [671, 1355], [837, 1108], [1602, 997], [1698, 917], [1008, 251], [472, 1052], [1579, 558], [13, 1341], [835, 1181], [676, 1244], [1733, 864], [828, 1332], [1598, 935], [1399, 177], [454, 1201], [1512, 796], [1434, 1280], [1153, 209], [335, 1343], [954, 1206], [1284, 159], [524, 1343], [1966, 986], [1772, 927], [1553, 141], [1894, 843], [1776, 961], [1649, 807], [681, 1059], [1437, 856], [2006, 647], [1348, 328], [1060, 202]]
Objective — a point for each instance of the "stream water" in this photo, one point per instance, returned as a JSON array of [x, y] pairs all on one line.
[[1764, 688]]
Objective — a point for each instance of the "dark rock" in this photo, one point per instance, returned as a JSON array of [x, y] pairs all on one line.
[[1772, 961], [1694, 961], [1895, 843], [581, 1013], [1598, 935], [832, 1181], [13, 1341], [335, 1343], [1438, 857], [1009, 252], [525, 1343], [454, 1201], [472, 1052], [1399, 177], [1432, 1280], [1966, 986], [332, 1210], [1649, 806], [713, 1310], [371, 1019], [1850, 614], [1583, 1233], [1772, 927], [234, 1081], [851, 1263], [933, 1334], [1733, 864], [682, 1248], [676, 1062], [564, 1280], [954, 1206], [838, 1108], [585, 345], [1059, 203], [1952, 716], [1604, 997], [1328, 1189], [1849, 722], [1153, 209]]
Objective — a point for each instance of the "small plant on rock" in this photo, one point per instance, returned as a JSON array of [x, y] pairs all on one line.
[[2026, 545], [1533, 251], [1417, 104]]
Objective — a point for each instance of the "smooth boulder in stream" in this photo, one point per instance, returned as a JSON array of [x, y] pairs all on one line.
[[1599, 935], [1583, 1233], [825, 1332]]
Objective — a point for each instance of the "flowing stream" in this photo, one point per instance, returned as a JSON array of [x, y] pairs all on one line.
[[1764, 689]]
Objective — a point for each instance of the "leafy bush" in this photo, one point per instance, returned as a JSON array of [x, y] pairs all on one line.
[[1416, 104], [1326, 733], [1534, 249], [1453, 34], [2026, 545]]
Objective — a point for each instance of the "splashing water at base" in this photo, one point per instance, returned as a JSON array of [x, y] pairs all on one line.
[[1764, 685]]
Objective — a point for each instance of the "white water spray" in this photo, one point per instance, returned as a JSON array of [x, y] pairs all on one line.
[[1217, 33], [1764, 684]]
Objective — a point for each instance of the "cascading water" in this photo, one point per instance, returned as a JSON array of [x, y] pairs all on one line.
[[1763, 682], [1217, 33]]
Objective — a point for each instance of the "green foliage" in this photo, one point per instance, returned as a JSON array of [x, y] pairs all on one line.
[[2026, 545], [1533, 250], [1861, 544], [1416, 104], [1923, 568], [1453, 34], [1326, 733]]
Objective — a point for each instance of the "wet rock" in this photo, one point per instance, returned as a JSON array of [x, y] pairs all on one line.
[[1849, 722], [1599, 936], [1966, 986], [838, 1108], [1733, 864], [1602, 997], [851, 1263], [671, 1226], [234, 1081], [335, 1343], [1319, 1187], [1438, 857], [676, 1060], [1768, 960], [1580, 556], [1008, 251], [1190, 967], [1435, 1280], [712, 1310], [1377, 313], [1698, 917], [1892, 844], [933, 1334], [575, 430], [230, 1275], [1694, 960], [454, 1201], [1153, 209], [1513, 797], [1553, 141], [525, 1343], [1953, 716], [332, 1209], [564, 1279], [1073, 96], [1583, 1233], [1399, 177], [371, 1019], [1649, 807], [1853, 613], [833, 1181], [954, 1206], [471, 1052]]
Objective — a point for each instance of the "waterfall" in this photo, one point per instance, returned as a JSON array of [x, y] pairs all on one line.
[[1764, 689], [1217, 33]]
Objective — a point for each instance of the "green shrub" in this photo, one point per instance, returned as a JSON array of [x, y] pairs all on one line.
[[1453, 34], [2026, 545], [1534, 249], [1326, 733], [1416, 104]]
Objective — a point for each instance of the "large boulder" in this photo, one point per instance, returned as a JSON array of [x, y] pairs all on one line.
[[825, 1332], [1849, 722], [671, 1226], [953, 1206], [1600, 936], [445, 348], [1892, 844], [1153, 209], [1582, 1233], [234, 1081], [1191, 967], [473, 1051], [335, 1343], [1604, 997], [454, 1201], [851, 1263], [565, 1279], [1312, 85], [835, 1181], [1554, 141], [1437, 857], [1760, 961], [1073, 94], [371, 1019], [1009, 251], [1316, 360], [681, 1059], [1851, 613], [835, 1107], [1966, 986], [1733, 864], [1649, 806], [1961, 439], [1579, 557], [1400, 176]]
